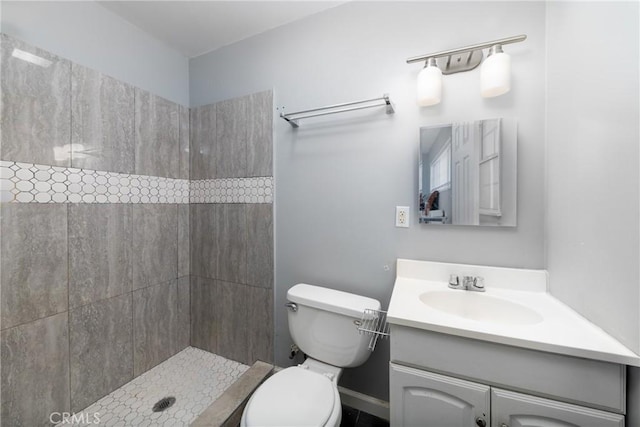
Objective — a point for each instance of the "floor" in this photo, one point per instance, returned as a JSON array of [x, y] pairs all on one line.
[[354, 418], [194, 377]]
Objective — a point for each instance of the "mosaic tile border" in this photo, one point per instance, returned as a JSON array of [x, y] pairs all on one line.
[[33, 183], [232, 190]]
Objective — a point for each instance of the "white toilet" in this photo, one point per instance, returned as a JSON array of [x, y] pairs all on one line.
[[322, 323]]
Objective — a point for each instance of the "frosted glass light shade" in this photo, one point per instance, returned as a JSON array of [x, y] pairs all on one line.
[[429, 86], [495, 75]]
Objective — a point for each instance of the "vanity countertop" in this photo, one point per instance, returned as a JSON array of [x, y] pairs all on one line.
[[560, 329]]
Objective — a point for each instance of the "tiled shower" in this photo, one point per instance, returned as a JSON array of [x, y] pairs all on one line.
[[131, 228]]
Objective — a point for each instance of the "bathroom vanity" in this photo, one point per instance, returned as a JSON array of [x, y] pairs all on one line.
[[508, 357]]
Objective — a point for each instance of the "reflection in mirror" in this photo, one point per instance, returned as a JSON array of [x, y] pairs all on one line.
[[467, 173]]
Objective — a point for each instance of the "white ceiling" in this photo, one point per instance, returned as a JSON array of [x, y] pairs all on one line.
[[198, 27]]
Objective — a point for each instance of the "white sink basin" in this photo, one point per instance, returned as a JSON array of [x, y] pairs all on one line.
[[480, 307]]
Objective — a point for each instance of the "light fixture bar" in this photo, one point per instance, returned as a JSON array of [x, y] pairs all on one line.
[[471, 48]]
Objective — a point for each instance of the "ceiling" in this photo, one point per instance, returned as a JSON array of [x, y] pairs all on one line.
[[197, 27]]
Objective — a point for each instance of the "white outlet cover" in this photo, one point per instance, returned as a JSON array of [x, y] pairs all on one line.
[[402, 216]]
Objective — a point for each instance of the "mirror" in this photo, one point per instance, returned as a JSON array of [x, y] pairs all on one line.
[[467, 173]]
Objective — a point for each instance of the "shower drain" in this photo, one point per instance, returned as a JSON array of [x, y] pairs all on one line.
[[164, 403]]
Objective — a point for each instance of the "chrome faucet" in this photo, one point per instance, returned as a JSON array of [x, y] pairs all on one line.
[[469, 283]]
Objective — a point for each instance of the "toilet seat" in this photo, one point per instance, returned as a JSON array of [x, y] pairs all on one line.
[[293, 397]]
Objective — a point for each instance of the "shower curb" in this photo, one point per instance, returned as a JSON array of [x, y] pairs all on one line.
[[226, 411]]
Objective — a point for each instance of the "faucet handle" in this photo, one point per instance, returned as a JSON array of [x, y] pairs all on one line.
[[454, 281], [477, 284]]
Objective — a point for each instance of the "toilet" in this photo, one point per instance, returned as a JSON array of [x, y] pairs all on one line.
[[324, 324]]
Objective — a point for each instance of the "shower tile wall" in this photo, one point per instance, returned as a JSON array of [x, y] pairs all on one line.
[[92, 294], [232, 239]]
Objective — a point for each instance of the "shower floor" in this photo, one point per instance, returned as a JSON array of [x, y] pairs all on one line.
[[194, 377]]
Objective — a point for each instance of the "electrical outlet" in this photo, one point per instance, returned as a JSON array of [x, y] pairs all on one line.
[[402, 216]]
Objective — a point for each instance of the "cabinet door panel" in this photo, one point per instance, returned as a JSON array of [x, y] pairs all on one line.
[[421, 398], [511, 409]]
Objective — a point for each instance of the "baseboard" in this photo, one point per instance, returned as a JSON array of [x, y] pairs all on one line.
[[363, 402]]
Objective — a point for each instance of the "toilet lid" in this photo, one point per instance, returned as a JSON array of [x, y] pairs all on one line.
[[292, 397]]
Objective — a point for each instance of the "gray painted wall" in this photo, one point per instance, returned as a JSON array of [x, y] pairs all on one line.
[[339, 179], [593, 157], [90, 35]]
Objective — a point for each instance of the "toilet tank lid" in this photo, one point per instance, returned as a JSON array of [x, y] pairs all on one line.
[[331, 300]]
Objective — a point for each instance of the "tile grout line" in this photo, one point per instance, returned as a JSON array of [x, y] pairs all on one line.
[[68, 226], [133, 329], [69, 298]]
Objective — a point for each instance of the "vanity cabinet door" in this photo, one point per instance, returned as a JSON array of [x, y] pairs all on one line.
[[511, 409], [424, 399]]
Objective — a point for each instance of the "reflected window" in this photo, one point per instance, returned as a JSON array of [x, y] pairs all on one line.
[[440, 177]]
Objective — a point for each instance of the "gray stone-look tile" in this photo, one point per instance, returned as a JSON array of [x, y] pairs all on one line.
[[33, 261], [260, 245], [231, 238], [155, 325], [184, 142], [155, 244], [231, 138], [203, 142], [202, 223], [183, 240], [101, 349], [184, 310], [259, 325], [232, 321], [35, 371], [157, 135], [102, 112], [204, 328], [100, 258], [260, 134], [36, 107]]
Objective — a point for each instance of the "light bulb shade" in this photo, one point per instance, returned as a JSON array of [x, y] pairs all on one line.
[[495, 75], [429, 86]]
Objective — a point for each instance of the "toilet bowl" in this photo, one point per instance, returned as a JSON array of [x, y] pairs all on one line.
[[324, 324], [299, 396]]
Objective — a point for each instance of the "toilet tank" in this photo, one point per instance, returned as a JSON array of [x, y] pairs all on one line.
[[324, 324]]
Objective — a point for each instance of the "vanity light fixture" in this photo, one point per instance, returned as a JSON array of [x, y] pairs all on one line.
[[495, 74], [430, 84]]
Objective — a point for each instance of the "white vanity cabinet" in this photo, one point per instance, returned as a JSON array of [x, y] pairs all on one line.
[[510, 409], [440, 380], [422, 398]]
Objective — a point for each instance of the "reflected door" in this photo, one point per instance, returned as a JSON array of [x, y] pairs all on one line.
[[464, 161]]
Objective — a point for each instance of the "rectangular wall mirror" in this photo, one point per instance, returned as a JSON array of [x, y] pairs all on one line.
[[467, 173]]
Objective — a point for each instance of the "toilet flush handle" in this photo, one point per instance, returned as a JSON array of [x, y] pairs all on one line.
[[292, 306]]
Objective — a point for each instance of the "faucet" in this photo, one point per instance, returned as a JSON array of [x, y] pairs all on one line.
[[469, 283]]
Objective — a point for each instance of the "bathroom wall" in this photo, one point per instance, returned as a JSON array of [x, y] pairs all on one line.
[[593, 158], [94, 223], [93, 36], [593, 245], [338, 179], [231, 220]]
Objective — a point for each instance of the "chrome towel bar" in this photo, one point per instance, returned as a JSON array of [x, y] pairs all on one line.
[[293, 118]]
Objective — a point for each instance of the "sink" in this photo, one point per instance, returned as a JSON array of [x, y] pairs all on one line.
[[480, 307]]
